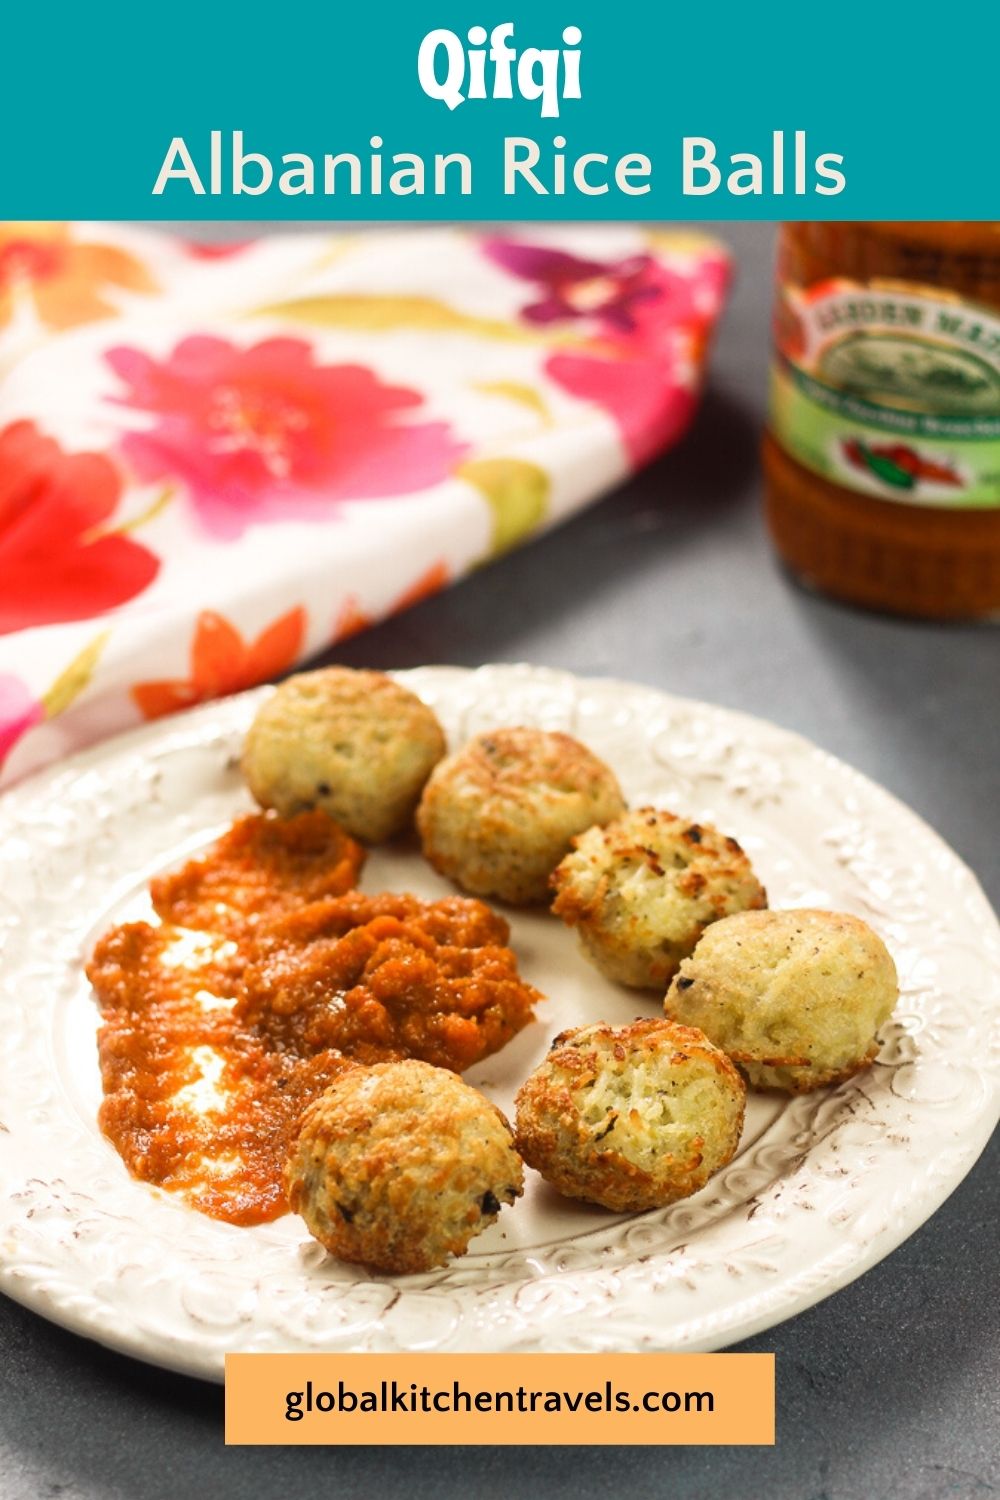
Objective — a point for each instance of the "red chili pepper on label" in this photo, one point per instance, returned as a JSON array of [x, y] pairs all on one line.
[[897, 464], [938, 473], [903, 457]]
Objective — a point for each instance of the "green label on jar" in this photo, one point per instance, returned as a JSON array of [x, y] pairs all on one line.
[[890, 390]]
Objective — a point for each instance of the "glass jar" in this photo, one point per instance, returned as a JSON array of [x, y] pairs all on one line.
[[882, 455]]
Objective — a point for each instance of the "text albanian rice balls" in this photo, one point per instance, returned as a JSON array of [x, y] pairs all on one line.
[[498, 816], [355, 744], [642, 890], [795, 997], [631, 1117], [398, 1166]]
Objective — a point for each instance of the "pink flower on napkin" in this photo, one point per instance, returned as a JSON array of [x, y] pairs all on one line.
[[19, 712], [649, 405], [205, 250], [266, 434], [56, 563]]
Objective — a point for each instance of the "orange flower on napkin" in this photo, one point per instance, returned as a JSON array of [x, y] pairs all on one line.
[[223, 662], [65, 278]]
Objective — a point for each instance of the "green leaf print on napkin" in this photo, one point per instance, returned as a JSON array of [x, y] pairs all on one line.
[[383, 313], [72, 681], [522, 395], [517, 493]]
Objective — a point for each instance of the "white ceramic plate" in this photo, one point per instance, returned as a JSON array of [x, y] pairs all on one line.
[[823, 1186]]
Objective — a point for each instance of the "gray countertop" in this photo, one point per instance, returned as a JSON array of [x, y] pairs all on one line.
[[886, 1391]]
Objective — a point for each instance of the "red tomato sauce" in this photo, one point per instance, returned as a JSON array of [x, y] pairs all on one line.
[[223, 1023]]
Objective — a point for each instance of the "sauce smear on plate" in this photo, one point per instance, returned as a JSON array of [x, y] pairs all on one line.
[[221, 1024]]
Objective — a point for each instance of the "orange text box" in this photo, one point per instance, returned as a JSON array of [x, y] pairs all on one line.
[[458, 1399]]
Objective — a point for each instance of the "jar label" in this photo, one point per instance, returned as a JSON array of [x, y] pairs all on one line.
[[891, 389]]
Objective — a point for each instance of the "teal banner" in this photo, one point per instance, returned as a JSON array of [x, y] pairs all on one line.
[[489, 110]]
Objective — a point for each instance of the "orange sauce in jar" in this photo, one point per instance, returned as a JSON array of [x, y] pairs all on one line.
[[882, 455]]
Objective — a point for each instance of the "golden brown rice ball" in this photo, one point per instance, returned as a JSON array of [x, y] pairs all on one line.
[[794, 997], [355, 744], [631, 1117], [398, 1166], [642, 891], [498, 816]]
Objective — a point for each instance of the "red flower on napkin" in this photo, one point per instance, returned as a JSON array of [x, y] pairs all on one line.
[[267, 434], [223, 662], [55, 562]]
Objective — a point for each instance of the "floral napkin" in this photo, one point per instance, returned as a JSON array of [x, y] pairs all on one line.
[[217, 460]]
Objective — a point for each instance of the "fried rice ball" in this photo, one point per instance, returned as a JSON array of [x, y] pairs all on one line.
[[498, 816], [642, 891], [398, 1166], [356, 744], [794, 997], [630, 1117]]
